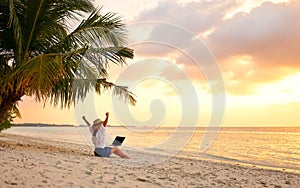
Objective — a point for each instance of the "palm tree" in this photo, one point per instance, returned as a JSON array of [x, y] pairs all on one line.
[[40, 57]]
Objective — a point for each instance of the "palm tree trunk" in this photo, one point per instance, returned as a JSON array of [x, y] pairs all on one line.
[[7, 104], [5, 107]]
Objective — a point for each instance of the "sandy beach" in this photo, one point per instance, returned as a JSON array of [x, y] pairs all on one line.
[[32, 162]]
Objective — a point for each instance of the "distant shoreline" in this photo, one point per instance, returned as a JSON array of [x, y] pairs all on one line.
[[41, 125], [55, 125], [139, 126]]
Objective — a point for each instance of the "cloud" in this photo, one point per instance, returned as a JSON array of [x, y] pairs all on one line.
[[127, 10], [269, 33], [192, 17], [243, 75]]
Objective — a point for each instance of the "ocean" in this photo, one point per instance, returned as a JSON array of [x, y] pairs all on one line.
[[274, 147]]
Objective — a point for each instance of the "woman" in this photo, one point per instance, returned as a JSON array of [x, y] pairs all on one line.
[[98, 130]]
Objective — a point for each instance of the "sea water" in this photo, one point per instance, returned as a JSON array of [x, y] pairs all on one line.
[[276, 147]]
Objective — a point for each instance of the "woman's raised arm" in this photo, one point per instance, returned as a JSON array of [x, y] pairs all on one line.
[[86, 121]]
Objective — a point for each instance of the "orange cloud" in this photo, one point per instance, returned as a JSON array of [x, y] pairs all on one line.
[[270, 34], [243, 76]]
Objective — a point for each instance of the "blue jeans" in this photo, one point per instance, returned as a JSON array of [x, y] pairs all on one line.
[[102, 152]]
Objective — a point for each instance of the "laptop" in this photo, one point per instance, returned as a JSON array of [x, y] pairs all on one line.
[[118, 141]]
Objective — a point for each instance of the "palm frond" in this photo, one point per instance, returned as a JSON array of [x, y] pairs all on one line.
[[108, 28], [82, 86], [17, 30], [33, 17], [40, 74], [65, 9], [47, 77], [15, 110], [99, 58], [76, 89], [49, 35], [97, 31], [38, 57], [42, 22], [121, 91], [104, 35]]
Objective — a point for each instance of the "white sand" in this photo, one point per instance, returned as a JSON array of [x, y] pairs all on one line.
[[31, 162]]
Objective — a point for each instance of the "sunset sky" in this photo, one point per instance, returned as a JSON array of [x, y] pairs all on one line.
[[254, 44]]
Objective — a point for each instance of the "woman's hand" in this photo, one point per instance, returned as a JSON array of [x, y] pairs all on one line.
[[106, 119], [86, 121]]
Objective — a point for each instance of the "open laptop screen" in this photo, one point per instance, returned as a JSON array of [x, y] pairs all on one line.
[[118, 141]]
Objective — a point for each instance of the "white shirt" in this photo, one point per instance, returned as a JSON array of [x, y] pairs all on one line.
[[99, 140]]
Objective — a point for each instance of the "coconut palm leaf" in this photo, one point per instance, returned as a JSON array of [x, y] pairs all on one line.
[[48, 79], [99, 32], [106, 29], [40, 57], [17, 34], [83, 86]]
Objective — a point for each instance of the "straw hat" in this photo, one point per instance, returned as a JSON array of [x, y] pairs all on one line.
[[96, 124]]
